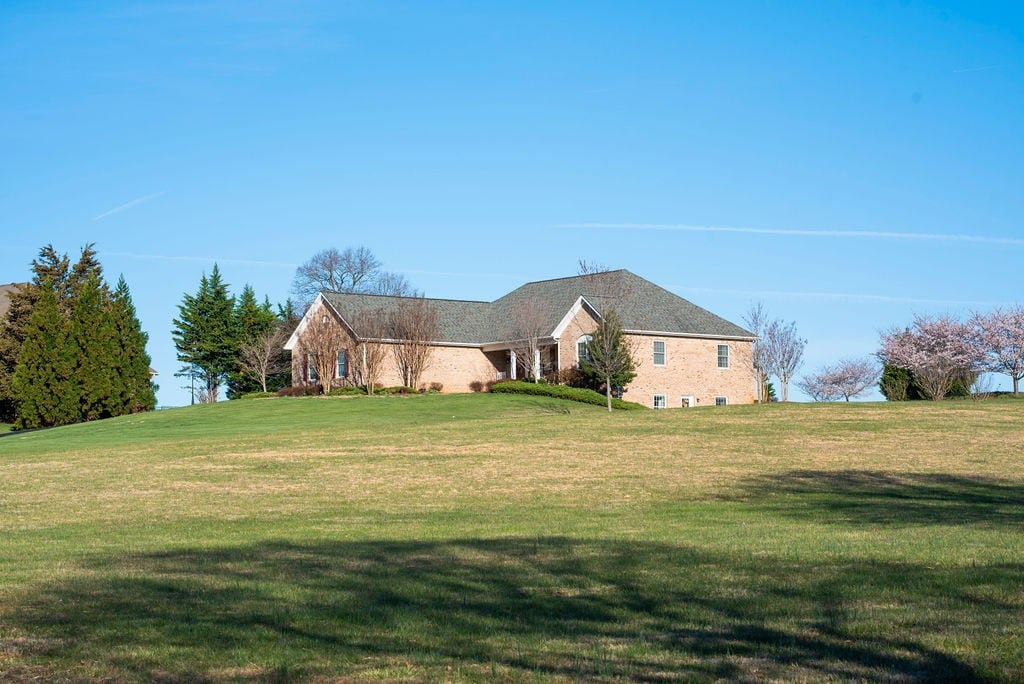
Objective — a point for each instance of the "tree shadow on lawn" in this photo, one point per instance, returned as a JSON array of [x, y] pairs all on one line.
[[503, 609], [878, 498]]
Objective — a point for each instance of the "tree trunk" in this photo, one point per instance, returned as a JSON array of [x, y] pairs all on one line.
[[608, 390], [1016, 385]]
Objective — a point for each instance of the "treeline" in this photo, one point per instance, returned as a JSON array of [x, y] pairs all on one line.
[[232, 342], [72, 348]]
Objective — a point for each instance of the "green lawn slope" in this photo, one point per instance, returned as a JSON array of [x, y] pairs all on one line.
[[504, 537]]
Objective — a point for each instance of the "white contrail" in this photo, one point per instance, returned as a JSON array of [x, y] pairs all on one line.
[[854, 234], [857, 296], [128, 205], [219, 260]]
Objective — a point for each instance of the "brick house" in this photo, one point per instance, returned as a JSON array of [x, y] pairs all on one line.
[[685, 355]]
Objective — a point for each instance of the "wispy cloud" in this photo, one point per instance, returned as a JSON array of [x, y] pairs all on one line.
[[847, 234], [203, 259], [968, 70], [128, 205], [837, 296]]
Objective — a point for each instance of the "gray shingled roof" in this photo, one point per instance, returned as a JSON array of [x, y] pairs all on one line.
[[642, 306]]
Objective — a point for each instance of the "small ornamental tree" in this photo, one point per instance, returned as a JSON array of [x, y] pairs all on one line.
[[1000, 334], [609, 359], [784, 352], [370, 351], [414, 326], [846, 379], [939, 352], [322, 341]]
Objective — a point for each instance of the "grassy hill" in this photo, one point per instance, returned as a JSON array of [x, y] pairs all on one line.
[[482, 537]]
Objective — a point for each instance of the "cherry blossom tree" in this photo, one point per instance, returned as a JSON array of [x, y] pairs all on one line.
[[845, 379], [938, 351], [1000, 333]]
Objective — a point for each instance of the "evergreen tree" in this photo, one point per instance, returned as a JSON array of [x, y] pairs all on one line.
[[47, 267], [44, 379], [205, 334], [93, 344], [131, 362], [609, 361]]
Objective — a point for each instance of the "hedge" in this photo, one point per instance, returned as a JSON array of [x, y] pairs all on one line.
[[585, 396]]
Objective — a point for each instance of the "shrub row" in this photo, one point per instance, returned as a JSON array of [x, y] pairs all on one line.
[[585, 396]]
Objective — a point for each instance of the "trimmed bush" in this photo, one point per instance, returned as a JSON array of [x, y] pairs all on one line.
[[347, 391], [256, 395], [299, 391], [584, 396]]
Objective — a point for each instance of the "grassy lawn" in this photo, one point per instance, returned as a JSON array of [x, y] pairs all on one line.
[[483, 537]]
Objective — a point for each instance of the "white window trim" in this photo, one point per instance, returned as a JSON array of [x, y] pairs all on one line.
[[718, 357], [692, 398], [664, 353], [664, 401], [582, 338]]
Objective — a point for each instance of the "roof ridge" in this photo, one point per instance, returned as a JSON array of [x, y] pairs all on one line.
[[384, 296], [579, 275]]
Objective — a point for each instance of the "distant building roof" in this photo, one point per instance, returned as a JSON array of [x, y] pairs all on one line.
[[5, 301], [641, 305]]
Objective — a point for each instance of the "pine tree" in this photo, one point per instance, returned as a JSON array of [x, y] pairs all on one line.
[[44, 379], [131, 361], [205, 334]]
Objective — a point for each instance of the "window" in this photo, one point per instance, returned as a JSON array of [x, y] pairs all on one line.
[[723, 356], [721, 401], [659, 352], [659, 401], [583, 348], [311, 374], [342, 364], [687, 401]]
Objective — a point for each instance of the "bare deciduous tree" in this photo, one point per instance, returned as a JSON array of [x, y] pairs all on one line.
[[353, 270], [321, 342], [413, 326], [1000, 333], [370, 351], [846, 379], [756, 320], [784, 351], [260, 357], [529, 326]]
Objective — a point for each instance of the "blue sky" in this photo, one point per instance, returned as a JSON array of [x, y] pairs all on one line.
[[848, 164]]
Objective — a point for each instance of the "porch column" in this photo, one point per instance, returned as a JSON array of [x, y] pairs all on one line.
[[512, 364], [536, 364]]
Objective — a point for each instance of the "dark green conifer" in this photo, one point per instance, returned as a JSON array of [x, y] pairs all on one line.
[[132, 361], [205, 333], [44, 381]]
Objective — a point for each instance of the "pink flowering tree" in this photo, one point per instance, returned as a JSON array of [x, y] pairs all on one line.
[[846, 379], [1001, 334], [938, 351]]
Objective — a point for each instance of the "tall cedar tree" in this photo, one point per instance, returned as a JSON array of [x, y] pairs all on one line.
[[45, 381], [92, 339], [205, 335], [131, 362], [48, 266], [609, 359], [252, 320]]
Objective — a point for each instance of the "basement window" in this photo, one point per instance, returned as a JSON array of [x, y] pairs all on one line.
[[660, 401]]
